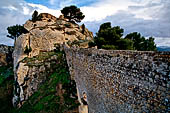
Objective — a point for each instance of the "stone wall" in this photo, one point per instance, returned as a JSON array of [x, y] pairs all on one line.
[[121, 81]]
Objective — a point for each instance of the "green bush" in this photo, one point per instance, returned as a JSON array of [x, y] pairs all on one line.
[[75, 42], [108, 47], [91, 44], [125, 44], [5, 72], [67, 25], [6, 89]]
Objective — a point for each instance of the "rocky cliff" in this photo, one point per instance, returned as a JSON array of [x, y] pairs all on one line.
[[6, 55], [43, 36]]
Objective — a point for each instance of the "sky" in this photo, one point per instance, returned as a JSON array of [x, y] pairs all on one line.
[[149, 17]]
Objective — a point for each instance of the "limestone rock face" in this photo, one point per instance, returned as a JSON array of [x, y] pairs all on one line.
[[3, 59], [5, 55], [43, 35]]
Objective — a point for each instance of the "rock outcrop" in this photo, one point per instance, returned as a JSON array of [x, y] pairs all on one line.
[[5, 55], [43, 36]]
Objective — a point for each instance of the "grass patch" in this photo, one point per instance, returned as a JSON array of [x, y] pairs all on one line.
[[6, 89], [5, 72], [38, 60]]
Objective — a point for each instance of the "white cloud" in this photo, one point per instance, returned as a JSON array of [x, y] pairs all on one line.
[[17, 12], [9, 20], [11, 13], [150, 18], [44, 9], [101, 10], [64, 3], [10, 7], [147, 11], [26, 11], [162, 41], [142, 9]]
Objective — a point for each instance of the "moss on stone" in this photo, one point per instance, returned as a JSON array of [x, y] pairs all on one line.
[[39, 60]]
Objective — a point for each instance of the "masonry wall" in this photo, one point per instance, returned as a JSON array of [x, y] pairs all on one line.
[[121, 81]]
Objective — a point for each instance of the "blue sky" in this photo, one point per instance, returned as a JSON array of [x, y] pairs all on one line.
[[42, 2], [55, 4], [149, 17]]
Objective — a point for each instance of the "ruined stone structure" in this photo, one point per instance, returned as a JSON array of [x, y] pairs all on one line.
[[107, 81], [121, 81]]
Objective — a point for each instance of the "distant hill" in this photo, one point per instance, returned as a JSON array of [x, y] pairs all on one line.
[[163, 48]]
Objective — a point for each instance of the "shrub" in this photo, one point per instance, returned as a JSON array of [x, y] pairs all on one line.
[[125, 44], [109, 47], [34, 16], [91, 44], [67, 25]]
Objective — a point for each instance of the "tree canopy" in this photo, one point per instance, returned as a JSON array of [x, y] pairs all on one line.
[[15, 31], [34, 16], [72, 13], [141, 43], [109, 37]]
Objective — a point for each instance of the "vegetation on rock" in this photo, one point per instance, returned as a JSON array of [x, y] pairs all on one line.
[[15, 31], [72, 13], [5, 73], [6, 88], [57, 94], [34, 16]]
